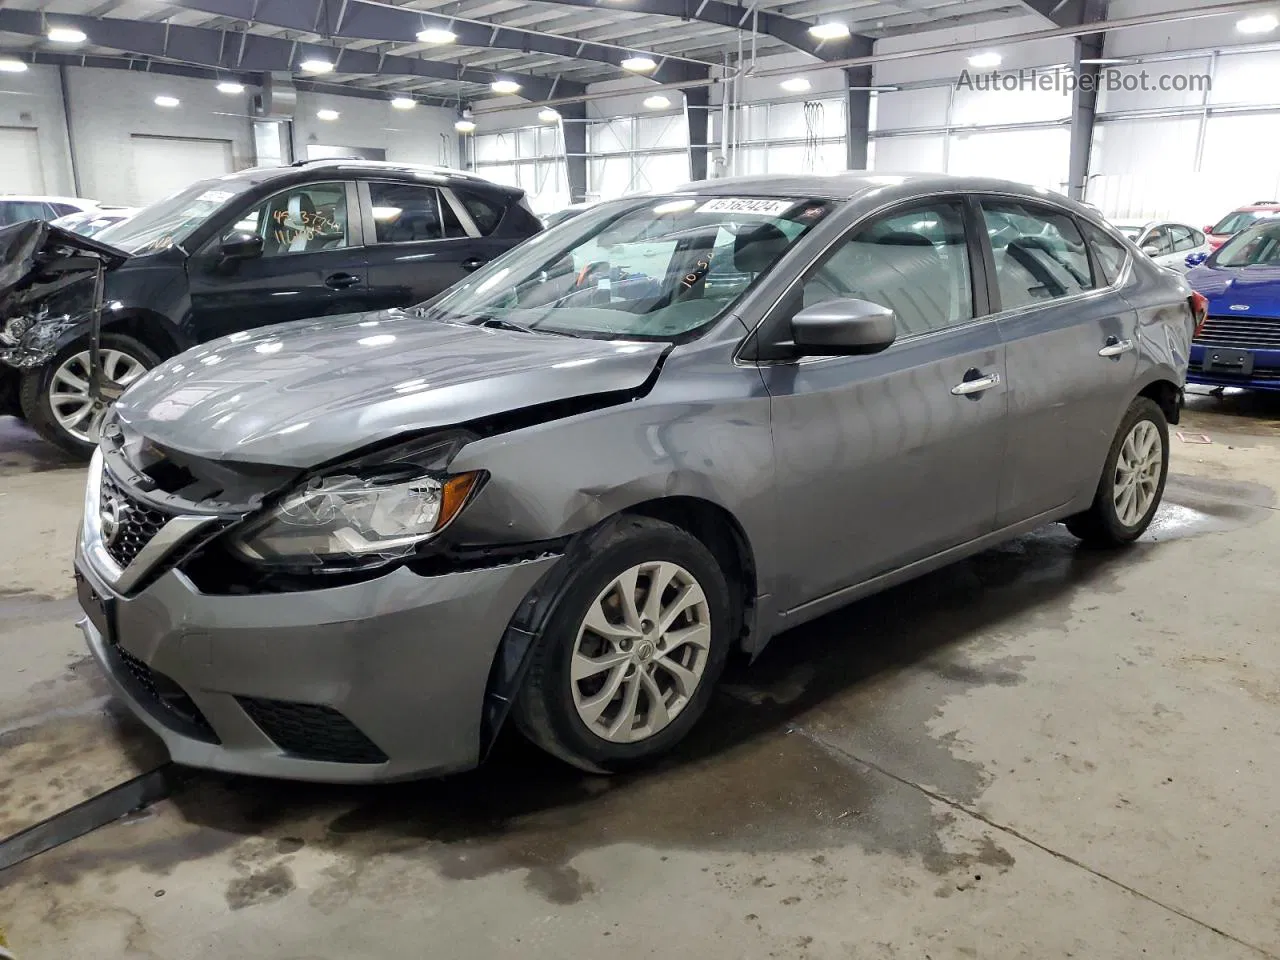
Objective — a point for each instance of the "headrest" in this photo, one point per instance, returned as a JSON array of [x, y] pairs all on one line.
[[755, 250]]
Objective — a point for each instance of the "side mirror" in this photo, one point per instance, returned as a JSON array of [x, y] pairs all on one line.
[[1197, 258], [241, 246], [843, 328], [1151, 249], [1209, 229]]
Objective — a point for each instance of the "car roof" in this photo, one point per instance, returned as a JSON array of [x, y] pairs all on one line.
[[854, 183], [1257, 208], [352, 165]]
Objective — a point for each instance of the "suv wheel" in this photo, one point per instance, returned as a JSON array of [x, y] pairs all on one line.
[[56, 399], [628, 659], [1133, 479]]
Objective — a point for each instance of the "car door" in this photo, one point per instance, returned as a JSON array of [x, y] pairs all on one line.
[[887, 459], [420, 241], [311, 264], [1072, 357]]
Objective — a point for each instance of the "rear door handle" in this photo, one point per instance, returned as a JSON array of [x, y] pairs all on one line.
[[340, 281], [979, 385], [475, 263], [1115, 347]]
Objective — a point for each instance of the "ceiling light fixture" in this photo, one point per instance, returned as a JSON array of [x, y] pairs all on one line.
[[795, 84], [326, 114], [436, 36], [639, 64], [1263, 23], [315, 65], [404, 103], [230, 86], [66, 35], [656, 102], [547, 115], [829, 31], [166, 101], [982, 61], [504, 86], [1102, 61], [12, 66], [465, 126]]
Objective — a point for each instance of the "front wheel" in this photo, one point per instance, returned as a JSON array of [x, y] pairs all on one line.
[[1133, 480], [56, 398], [628, 659]]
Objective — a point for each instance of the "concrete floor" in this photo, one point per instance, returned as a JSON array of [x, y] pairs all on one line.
[[1041, 752]]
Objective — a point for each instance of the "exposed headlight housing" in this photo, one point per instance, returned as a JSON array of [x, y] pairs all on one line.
[[366, 513]]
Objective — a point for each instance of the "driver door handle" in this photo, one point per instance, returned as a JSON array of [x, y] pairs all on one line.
[[340, 281], [970, 388], [475, 263], [1116, 347]]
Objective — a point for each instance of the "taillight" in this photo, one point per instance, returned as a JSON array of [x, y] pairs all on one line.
[[1199, 311]]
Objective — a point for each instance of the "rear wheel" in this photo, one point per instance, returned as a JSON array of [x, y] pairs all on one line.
[[1133, 480], [56, 398], [628, 659]]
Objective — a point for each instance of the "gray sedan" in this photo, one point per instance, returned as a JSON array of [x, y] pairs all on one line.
[[562, 494]]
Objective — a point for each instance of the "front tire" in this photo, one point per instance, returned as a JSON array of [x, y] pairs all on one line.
[[1133, 480], [55, 398], [629, 657]]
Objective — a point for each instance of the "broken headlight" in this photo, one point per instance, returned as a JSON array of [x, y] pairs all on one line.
[[363, 514]]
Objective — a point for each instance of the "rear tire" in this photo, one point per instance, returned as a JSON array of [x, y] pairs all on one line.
[[1133, 479], [59, 408], [611, 687]]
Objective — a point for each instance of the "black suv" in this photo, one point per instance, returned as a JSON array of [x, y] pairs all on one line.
[[261, 246]]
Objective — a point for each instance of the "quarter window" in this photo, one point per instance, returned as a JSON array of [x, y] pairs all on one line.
[[915, 263], [1039, 254], [302, 220], [486, 214], [405, 212], [1108, 253]]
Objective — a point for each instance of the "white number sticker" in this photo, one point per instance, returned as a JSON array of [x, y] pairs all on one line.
[[760, 206]]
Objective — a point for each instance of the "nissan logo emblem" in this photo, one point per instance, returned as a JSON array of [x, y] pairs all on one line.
[[112, 515]]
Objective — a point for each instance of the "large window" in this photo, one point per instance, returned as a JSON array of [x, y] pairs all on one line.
[[405, 212], [302, 220], [915, 262], [1109, 254], [1039, 253], [651, 269], [1256, 246]]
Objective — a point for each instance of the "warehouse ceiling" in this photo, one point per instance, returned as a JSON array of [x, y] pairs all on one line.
[[549, 48]]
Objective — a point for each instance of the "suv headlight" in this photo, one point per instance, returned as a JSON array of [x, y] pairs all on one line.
[[362, 514]]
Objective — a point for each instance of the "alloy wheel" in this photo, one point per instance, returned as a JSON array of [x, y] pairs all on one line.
[[69, 398], [640, 652], [1138, 473]]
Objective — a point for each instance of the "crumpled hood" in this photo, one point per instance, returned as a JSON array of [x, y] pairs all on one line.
[[301, 394], [31, 251], [1252, 291]]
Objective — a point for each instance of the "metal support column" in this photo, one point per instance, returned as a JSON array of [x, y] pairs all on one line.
[[857, 104], [1084, 104], [573, 122], [697, 115]]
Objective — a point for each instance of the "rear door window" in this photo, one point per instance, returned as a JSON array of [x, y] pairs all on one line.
[[1039, 253], [1182, 238], [1108, 253], [405, 212]]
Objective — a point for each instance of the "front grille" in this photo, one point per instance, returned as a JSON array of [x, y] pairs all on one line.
[[1249, 333], [139, 522], [169, 702], [311, 732]]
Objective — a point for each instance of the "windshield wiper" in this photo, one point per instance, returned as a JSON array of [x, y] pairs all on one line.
[[502, 323]]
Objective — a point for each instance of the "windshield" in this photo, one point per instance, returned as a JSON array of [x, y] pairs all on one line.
[[171, 220], [649, 269], [1257, 246], [1235, 222], [1130, 232]]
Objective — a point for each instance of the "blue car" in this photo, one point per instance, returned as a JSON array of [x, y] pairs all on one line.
[[1238, 343]]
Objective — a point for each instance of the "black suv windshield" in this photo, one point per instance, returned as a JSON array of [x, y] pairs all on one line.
[[171, 220], [653, 269]]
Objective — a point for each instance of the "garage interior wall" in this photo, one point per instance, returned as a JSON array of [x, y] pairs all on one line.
[[124, 142]]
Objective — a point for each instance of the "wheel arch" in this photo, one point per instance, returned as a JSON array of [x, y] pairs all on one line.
[[1167, 396]]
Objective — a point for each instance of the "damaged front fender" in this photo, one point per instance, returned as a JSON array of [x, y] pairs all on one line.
[[47, 279]]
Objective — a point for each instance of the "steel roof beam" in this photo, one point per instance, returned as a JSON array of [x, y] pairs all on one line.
[[231, 50], [1061, 13], [365, 20]]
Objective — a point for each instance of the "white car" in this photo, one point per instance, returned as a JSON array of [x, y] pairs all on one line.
[[1166, 242], [15, 209], [89, 223]]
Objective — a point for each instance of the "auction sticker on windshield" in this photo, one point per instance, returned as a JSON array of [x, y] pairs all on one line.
[[756, 205]]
